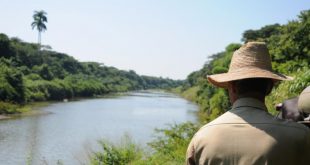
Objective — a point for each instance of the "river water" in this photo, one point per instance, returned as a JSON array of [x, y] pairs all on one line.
[[69, 131]]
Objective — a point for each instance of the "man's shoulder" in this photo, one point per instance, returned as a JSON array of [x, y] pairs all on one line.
[[226, 118], [265, 122]]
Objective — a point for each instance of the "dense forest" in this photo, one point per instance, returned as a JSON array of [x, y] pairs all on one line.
[[289, 47], [29, 74]]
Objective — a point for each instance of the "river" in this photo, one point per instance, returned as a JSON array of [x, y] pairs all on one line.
[[69, 131]]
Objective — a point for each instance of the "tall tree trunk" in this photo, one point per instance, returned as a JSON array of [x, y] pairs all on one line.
[[39, 39]]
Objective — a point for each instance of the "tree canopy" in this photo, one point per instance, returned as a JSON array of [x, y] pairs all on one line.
[[39, 19], [27, 75]]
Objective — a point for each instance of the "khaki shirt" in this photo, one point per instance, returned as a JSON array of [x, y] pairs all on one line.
[[248, 134]]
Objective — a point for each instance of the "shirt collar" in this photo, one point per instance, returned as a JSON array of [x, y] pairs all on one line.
[[249, 102]]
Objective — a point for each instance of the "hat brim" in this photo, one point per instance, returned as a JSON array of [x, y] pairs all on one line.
[[222, 80]]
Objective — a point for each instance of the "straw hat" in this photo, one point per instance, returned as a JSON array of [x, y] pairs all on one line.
[[252, 60]]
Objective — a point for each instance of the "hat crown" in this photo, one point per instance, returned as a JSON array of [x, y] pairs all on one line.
[[252, 55]]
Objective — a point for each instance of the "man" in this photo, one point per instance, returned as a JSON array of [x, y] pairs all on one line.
[[248, 134]]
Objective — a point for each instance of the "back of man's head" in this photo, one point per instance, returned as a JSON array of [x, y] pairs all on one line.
[[253, 87]]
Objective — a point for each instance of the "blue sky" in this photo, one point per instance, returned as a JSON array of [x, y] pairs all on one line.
[[168, 38]]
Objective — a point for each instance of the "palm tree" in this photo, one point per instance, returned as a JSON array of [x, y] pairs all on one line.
[[39, 18]]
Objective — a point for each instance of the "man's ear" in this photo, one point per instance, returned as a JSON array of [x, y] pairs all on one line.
[[233, 87], [232, 90]]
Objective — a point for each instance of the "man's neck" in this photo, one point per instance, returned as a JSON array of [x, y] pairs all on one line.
[[257, 96]]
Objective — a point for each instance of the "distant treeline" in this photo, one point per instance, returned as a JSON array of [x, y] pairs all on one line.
[[29, 74], [289, 46]]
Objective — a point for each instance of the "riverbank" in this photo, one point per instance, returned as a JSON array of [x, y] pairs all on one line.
[[190, 94], [3, 117], [15, 111], [9, 110]]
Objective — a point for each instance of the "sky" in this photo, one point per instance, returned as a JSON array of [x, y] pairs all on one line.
[[167, 38]]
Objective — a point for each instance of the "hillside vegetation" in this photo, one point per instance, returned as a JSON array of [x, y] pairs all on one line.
[[28, 74]]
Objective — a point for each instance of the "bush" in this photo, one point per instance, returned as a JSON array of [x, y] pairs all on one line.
[[125, 153], [219, 69], [11, 84], [171, 144], [219, 104], [8, 108]]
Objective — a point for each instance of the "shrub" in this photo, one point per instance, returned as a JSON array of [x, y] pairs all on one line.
[[171, 144], [8, 108], [112, 154]]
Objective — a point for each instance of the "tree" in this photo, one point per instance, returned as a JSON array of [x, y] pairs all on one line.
[[5, 48], [261, 34], [39, 18]]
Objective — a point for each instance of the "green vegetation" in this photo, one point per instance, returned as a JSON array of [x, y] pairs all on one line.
[[28, 74], [127, 152], [289, 47], [211, 100], [289, 89], [8, 108], [171, 144], [168, 148]]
